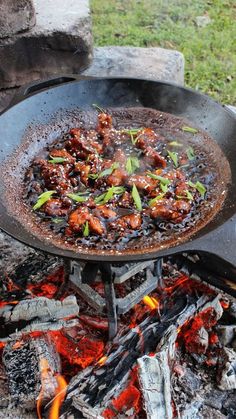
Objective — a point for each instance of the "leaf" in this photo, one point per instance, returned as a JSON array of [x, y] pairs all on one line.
[[164, 187], [93, 176], [105, 197], [133, 132], [188, 196], [174, 157], [175, 144], [132, 164], [163, 180], [55, 160], [109, 171], [101, 110], [200, 188], [190, 129], [154, 200], [77, 197], [44, 197], [57, 220], [136, 198], [86, 229], [190, 153]]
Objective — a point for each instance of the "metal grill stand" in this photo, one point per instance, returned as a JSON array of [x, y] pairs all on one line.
[[81, 275]]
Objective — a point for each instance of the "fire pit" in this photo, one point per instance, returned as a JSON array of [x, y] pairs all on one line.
[[171, 352]]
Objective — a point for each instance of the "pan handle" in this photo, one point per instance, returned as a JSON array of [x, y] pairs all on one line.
[[39, 85]]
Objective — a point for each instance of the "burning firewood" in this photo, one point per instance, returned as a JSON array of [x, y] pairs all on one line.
[[31, 365], [38, 314], [98, 385]]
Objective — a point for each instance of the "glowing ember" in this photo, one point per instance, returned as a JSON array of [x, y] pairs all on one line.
[[151, 302], [178, 282], [44, 367], [58, 399]]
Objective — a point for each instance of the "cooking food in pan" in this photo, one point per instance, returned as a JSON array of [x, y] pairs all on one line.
[[125, 180]]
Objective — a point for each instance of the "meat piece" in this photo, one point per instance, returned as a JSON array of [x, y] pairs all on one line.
[[126, 200], [143, 182], [117, 177], [104, 211], [79, 217], [132, 221], [82, 144], [83, 169], [54, 176], [64, 154], [169, 209], [55, 207], [153, 158], [104, 122], [181, 188], [95, 225], [145, 138], [120, 157]]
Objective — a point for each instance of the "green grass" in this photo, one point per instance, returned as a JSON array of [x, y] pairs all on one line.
[[210, 51]]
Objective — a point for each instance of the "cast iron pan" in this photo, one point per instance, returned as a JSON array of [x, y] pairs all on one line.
[[38, 103]]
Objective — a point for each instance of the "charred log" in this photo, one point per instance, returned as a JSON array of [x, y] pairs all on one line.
[[31, 366], [99, 384], [27, 314]]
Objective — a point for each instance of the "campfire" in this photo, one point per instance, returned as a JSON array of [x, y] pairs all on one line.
[[155, 340]]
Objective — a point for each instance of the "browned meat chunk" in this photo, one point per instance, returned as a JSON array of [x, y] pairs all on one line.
[[170, 209], [64, 154], [146, 138], [55, 207], [105, 211], [143, 182], [79, 217], [54, 176], [153, 158], [117, 177], [132, 221], [104, 122], [82, 144], [84, 170], [126, 200]]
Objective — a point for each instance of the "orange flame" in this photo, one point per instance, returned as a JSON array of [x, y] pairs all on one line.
[[59, 397], [102, 360], [179, 281], [151, 302], [44, 372]]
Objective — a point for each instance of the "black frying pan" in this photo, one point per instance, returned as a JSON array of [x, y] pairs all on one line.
[[39, 102]]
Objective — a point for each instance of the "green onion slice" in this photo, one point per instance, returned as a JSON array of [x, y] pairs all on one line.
[[44, 197], [189, 129], [174, 157], [77, 197], [190, 153], [86, 229], [132, 164], [55, 160], [163, 180], [136, 197], [101, 110], [109, 194], [199, 187], [154, 200]]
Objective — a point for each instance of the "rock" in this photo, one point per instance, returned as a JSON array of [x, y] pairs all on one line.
[[190, 382], [202, 21], [59, 43], [16, 16], [149, 63], [227, 370]]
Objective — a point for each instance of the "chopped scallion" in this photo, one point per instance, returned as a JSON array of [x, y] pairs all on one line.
[[174, 157], [136, 198], [55, 160], [189, 129], [154, 200], [44, 197], [190, 153], [86, 229]]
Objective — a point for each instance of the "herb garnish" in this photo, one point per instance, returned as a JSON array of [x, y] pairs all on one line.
[[105, 172], [190, 129], [160, 178], [174, 157], [133, 134], [175, 144], [190, 153], [136, 197], [78, 197], [188, 196], [199, 186], [132, 164], [57, 220], [44, 197], [101, 110], [154, 200], [55, 160], [105, 197], [85, 229]]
